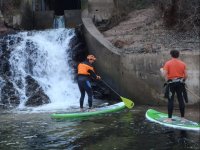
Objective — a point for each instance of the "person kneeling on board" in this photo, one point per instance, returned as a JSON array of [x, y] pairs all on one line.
[[85, 74], [175, 74]]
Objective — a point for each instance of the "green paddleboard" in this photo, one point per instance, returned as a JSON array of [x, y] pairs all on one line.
[[96, 111], [177, 123]]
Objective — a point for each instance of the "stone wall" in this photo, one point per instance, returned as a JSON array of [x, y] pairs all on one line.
[[33, 14], [43, 19], [17, 13], [26, 14], [72, 18]]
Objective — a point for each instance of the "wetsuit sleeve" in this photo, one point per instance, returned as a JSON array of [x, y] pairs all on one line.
[[92, 74]]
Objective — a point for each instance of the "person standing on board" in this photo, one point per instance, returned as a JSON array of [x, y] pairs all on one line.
[[85, 74], [175, 74]]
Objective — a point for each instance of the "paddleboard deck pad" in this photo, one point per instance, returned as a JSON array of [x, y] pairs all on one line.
[[94, 112], [177, 122]]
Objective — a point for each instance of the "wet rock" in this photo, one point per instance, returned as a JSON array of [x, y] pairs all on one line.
[[78, 48], [5, 50], [9, 95], [35, 93], [77, 51]]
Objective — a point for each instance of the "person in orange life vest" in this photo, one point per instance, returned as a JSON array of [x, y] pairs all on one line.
[[175, 74], [85, 73]]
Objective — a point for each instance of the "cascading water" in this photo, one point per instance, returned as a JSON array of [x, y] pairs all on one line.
[[43, 56], [59, 22]]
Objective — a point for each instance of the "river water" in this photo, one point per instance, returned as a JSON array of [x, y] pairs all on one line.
[[127, 129]]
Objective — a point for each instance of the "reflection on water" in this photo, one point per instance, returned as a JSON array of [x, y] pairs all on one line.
[[117, 131]]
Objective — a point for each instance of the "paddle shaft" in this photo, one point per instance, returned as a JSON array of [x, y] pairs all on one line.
[[110, 88], [129, 104], [192, 93]]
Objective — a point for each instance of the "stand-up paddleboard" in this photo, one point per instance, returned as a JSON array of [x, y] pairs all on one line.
[[177, 123], [96, 111]]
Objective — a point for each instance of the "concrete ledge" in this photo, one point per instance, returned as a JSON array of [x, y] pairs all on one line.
[[72, 18], [108, 57], [43, 19]]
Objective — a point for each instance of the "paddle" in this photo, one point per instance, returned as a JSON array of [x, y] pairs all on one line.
[[126, 101], [195, 95]]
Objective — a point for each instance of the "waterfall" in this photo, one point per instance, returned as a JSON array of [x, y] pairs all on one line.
[[59, 22], [44, 56]]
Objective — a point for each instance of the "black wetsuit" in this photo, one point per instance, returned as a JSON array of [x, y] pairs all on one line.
[[85, 86], [178, 88]]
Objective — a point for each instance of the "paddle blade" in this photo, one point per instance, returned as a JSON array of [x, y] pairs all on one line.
[[127, 102]]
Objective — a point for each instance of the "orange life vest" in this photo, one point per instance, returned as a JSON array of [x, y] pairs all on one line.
[[83, 69]]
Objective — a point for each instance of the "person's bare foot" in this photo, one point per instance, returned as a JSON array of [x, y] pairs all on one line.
[[168, 120]]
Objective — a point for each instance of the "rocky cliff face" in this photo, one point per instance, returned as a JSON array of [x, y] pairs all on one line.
[[144, 32]]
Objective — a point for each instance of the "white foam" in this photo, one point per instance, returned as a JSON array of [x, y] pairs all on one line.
[[50, 67]]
